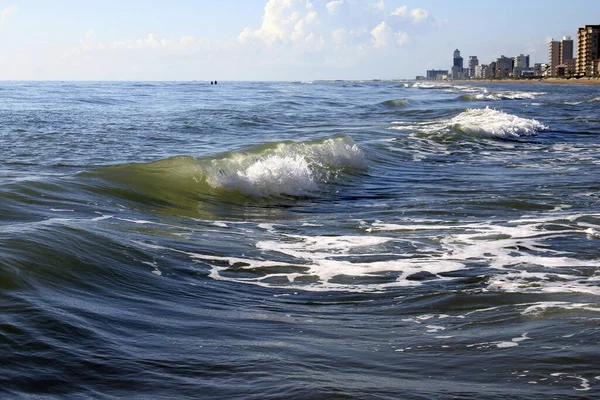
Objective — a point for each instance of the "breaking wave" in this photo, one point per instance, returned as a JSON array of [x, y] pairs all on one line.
[[265, 170], [488, 122], [511, 95]]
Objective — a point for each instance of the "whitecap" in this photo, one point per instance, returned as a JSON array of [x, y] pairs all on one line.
[[488, 122]]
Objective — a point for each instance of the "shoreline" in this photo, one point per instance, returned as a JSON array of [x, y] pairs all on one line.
[[545, 81]]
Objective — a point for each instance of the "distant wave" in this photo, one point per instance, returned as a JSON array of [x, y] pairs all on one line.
[[484, 122], [511, 95], [265, 170], [396, 103], [423, 85], [488, 122]]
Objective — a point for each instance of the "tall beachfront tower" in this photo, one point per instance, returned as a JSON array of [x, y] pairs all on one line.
[[588, 40], [553, 56], [566, 49], [473, 63], [560, 53], [457, 66]]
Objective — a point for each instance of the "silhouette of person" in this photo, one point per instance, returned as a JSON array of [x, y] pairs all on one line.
[[215, 82], [211, 82]]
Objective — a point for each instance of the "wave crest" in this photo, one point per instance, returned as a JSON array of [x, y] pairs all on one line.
[[510, 95], [488, 122], [265, 170], [285, 168]]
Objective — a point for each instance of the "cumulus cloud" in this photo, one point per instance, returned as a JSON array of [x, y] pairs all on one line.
[[293, 34], [400, 11], [334, 6], [416, 14], [283, 21], [383, 36], [7, 12]]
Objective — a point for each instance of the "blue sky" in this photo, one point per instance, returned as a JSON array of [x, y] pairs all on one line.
[[271, 39]]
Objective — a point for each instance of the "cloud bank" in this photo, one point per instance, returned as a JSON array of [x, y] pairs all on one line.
[[295, 37]]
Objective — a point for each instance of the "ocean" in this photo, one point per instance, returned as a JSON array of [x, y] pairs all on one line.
[[306, 240]]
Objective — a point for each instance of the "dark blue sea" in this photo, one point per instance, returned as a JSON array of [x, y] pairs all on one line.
[[299, 240]]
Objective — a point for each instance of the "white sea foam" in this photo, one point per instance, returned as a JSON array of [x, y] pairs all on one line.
[[409, 252], [584, 386], [431, 85], [510, 95], [295, 169], [488, 122], [518, 250], [274, 175]]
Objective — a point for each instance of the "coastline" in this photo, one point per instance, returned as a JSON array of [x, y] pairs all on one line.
[[545, 81]]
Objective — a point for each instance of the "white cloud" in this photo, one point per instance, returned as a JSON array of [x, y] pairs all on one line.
[[381, 35], [416, 14], [400, 11], [284, 21], [419, 14], [333, 6], [294, 35], [7, 12]]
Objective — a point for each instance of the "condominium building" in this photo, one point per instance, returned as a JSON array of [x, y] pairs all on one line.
[[485, 71], [566, 49], [553, 56], [588, 40], [520, 65], [559, 54], [473, 62], [504, 67]]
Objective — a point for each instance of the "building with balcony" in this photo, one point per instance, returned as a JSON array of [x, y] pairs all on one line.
[[588, 49]]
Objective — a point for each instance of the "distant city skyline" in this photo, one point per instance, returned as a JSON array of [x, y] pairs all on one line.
[[270, 39]]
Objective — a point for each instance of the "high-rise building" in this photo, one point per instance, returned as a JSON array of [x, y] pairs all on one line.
[[504, 67], [520, 65], [559, 54], [553, 56], [457, 66], [588, 49], [566, 49], [473, 62]]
